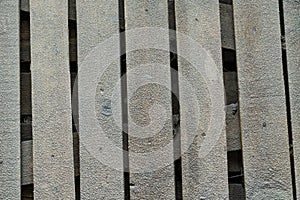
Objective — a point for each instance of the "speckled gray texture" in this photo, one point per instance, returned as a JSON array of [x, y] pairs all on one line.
[[97, 22], [53, 166], [10, 177], [72, 8], [157, 183], [262, 100], [203, 177], [292, 38]]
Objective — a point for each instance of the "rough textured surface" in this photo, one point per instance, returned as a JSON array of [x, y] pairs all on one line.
[[292, 38], [72, 7], [149, 103], [27, 162], [262, 100], [97, 22], [10, 177], [203, 177], [53, 166], [227, 31], [25, 39]]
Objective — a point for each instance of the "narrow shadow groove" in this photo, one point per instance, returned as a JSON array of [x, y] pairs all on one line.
[[25, 67], [73, 67], [287, 95], [229, 62], [124, 99], [77, 187], [226, 2], [27, 192], [25, 119], [175, 100]]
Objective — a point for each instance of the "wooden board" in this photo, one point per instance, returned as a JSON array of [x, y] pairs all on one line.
[[292, 38], [231, 88], [149, 84], [262, 100], [53, 166], [25, 39], [227, 32], [97, 21], [25, 93], [27, 163], [204, 161], [10, 177]]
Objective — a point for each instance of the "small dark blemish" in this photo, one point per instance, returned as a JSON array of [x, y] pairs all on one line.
[[1, 162], [196, 19], [52, 156], [264, 124], [203, 134], [131, 184], [146, 10]]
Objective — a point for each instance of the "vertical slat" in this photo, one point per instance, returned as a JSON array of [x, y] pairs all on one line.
[[100, 136], [53, 167], [10, 177], [149, 83], [72, 8], [204, 160], [262, 100], [292, 38]]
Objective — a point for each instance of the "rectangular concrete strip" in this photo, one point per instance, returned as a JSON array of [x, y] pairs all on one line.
[[262, 102], [53, 168], [10, 168], [291, 10], [99, 94], [149, 100], [202, 107]]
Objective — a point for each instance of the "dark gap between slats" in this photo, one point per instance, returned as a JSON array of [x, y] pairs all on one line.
[[287, 96], [226, 2], [229, 60], [126, 173], [235, 168], [77, 187], [175, 100], [73, 64], [25, 87], [24, 37], [25, 67], [234, 158], [27, 192]]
